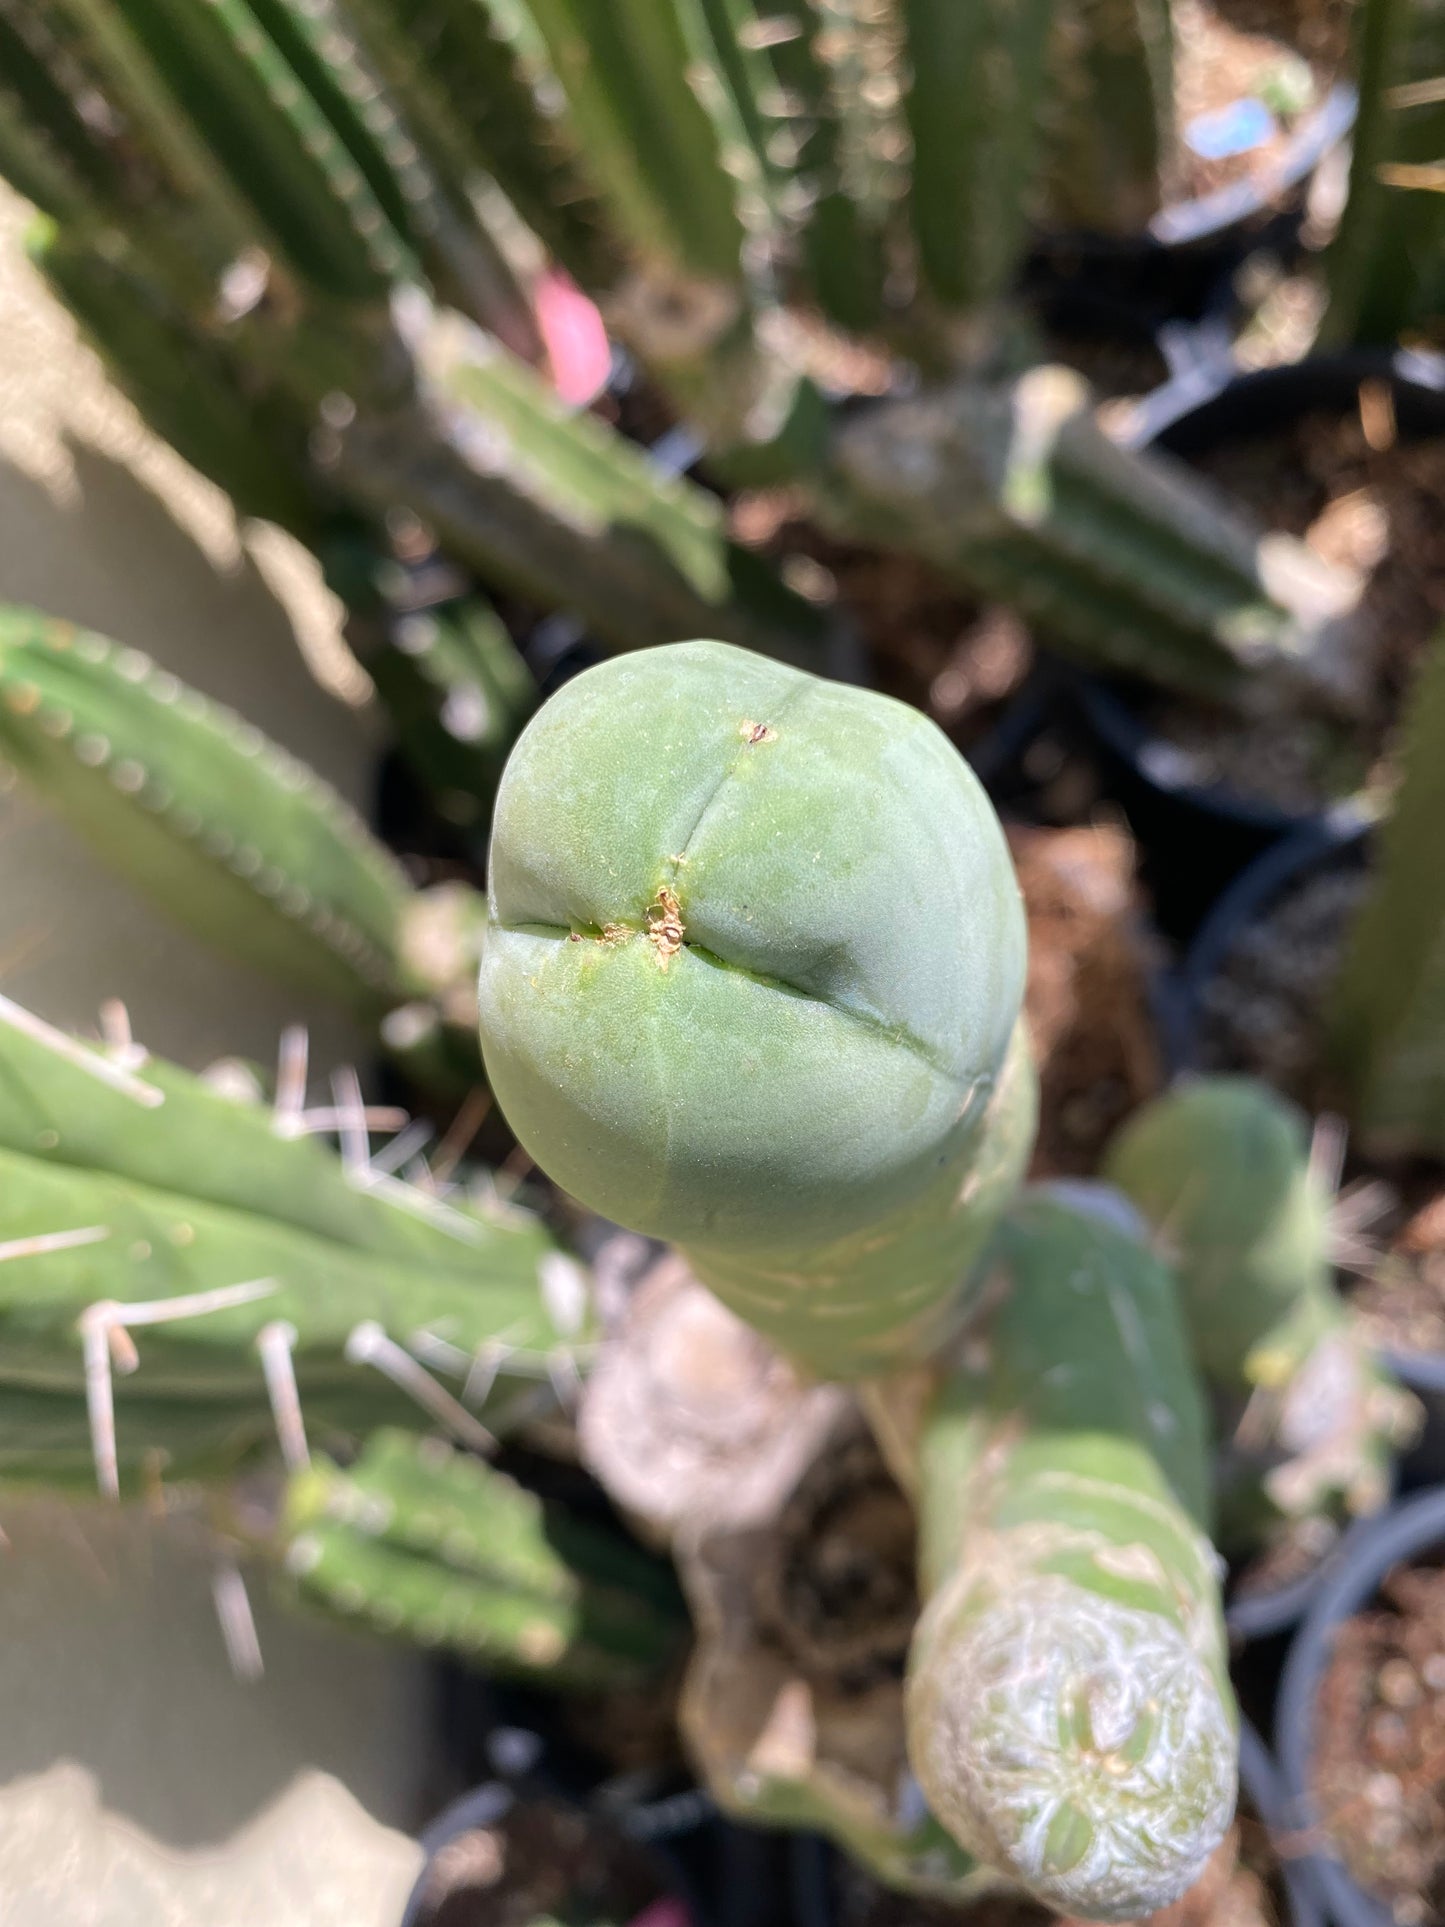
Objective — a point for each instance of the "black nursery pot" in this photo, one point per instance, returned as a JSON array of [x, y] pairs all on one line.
[[1197, 837], [1414, 1527]]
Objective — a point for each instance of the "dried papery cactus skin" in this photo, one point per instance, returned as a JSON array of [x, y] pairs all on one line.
[[1069, 1711], [750, 980], [435, 1546], [792, 1706], [689, 1418], [1221, 1169]]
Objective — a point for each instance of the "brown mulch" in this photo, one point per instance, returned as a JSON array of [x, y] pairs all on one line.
[[538, 1862], [1379, 1771], [1087, 1001]]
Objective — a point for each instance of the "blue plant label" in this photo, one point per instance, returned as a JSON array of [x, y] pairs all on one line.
[[1236, 129]]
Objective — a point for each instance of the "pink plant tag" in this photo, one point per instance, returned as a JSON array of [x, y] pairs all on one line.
[[577, 346], [667, 1912]]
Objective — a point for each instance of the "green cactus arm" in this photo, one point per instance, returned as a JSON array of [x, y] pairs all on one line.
[[647, 138], [425, 204], [226, 830], [425, 1543], [1385, 1011], [737, 917], [562, 509], [1383, 268], [1069, 1711], [976, 148], [477, 97], [1221, 1169], [226, 76], [1121, 557], [249, 445], [46, 150], [1109, 123]]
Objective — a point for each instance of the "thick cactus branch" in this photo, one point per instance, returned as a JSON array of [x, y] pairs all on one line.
[[1221, 1169], [737, 918], [220, 826], [1119, 557], [1109, 130], [1069, 1711], [427, 1544]]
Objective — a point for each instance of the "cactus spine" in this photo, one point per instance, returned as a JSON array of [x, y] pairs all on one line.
[[1221, 1169], [428, 1544], [1069, 1711], [738, 918]]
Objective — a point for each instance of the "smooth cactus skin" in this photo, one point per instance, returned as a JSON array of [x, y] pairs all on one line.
[[431, 1545], [222, 827], [753, 962], [1221, 1170], [1069, 1712], [190, 1192]]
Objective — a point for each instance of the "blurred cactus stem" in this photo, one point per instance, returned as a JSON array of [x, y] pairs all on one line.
[[751, 982], [1070, 1717], [1221, 1169], [433, 1546], [1385, 1020], [1121, 558], [1385, 269]]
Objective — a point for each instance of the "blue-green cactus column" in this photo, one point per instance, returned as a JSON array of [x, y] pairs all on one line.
[[751, 974]]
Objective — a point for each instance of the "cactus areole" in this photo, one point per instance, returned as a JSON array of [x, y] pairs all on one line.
[[753, 967]]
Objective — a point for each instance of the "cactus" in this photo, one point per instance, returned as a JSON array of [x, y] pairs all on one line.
[[138, 1199], [753, 963], [428, 1544], [1383, 267], [1221, 1170], [1109, 134], [223, 828], [1069, 1711], [1387, 1001]]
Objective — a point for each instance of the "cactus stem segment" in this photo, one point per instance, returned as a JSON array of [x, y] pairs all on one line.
[[369, 1345], [275, 1343], [106, 1346], [78, 1054]]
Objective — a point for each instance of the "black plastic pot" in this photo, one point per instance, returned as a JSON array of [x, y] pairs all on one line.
[[1267, 1614], [1196, 837], [1337, 836], [1414, 1527]]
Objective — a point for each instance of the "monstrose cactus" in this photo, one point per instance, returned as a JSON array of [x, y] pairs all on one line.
[[751, 981]]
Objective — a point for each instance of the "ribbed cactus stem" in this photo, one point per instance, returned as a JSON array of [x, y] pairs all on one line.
[[1221, 1168], [1384, 267], [1069, 1711], [434, 1546], [1109, 121], [562, 509], [1385, 1020], [750, 981], [223, 828], [1121, 557]]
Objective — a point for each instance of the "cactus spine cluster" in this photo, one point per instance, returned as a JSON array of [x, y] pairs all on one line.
[[751, 981]]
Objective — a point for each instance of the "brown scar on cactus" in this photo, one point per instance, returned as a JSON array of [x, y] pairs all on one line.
[[665, 928], [757, 733]]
